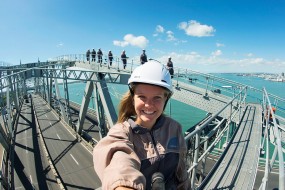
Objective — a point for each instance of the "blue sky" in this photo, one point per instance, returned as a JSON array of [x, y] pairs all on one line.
[[203, 35]]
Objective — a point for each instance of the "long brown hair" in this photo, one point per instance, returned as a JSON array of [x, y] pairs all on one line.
[[126, 108]]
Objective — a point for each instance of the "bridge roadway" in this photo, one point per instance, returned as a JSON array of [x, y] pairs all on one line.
[[90, 122], [72, 160], [31, 168]]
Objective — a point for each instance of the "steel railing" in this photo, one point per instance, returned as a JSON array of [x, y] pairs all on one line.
[[196, 134], [272, 127]]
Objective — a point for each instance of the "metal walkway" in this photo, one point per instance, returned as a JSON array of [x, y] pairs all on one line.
[[238, 165]]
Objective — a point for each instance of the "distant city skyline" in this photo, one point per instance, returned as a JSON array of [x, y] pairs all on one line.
[[207, 36]]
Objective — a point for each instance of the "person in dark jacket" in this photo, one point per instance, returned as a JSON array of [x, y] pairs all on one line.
[[110, 57], [170, 67], [143, 57], [124, 59], [100, 55], [88, 55], [93, 53]]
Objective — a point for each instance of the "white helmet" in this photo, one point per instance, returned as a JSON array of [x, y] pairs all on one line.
[[152, 72]]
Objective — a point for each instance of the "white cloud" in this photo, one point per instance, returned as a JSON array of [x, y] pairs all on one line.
[[170, 36], [120, 43], [217, 53], [249, 55], [194, 28], [159, 29], [214, 63], [220, 45], [256, 60], [188, 58], [60, 44], [130, 39]]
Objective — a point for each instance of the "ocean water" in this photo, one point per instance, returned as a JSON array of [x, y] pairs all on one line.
[[187, 115], [276, 88]]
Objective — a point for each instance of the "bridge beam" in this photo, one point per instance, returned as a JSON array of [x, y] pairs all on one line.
[[3, 139], [84, 106], [104, 101], [8, 121], [61, 105], [66, 98]]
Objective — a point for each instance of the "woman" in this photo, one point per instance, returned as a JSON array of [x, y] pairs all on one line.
[[144, 141]]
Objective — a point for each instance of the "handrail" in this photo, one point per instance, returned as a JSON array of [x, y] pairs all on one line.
[[199, 128], [269, 112], [222, 80]]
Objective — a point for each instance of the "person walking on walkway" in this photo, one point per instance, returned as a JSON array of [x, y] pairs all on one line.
[[170, 67], [124, 59], [93, 54], [88, 55], [110, 57], [144, 141], [100, 55], [143, 57]]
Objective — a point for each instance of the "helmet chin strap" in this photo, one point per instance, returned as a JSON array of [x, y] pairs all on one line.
[[168, 97], [131, 90], [165, 104]]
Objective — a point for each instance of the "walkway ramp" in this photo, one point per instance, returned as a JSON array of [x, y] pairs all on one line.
[[195, 96], [238, 164]]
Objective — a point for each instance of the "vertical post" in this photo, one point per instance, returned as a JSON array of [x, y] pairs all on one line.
[[195, 161], [8, 120], [132, 66], [230, 125], [240, 104], [118, 63], [47, 86], [204, 161], [43, 89], [67, 106], [177, 78], [100, 114], [16, 101], [245, 95], [206, 93]]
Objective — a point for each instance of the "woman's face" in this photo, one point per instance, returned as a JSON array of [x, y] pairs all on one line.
[[149, 102]]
